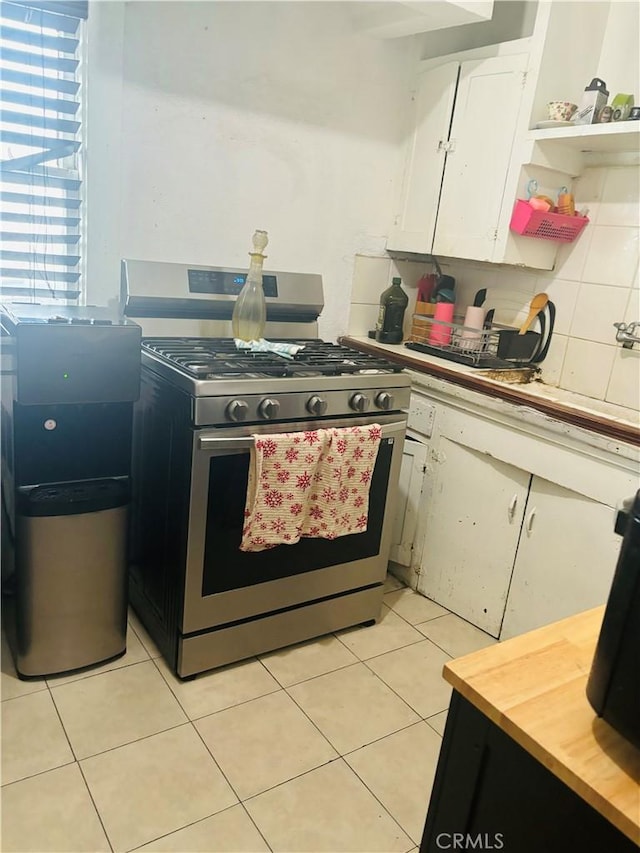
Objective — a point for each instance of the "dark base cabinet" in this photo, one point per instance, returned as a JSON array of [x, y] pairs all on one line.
[[491, 794]]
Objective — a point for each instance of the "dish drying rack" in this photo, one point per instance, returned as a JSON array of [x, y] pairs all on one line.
[[469, 346]]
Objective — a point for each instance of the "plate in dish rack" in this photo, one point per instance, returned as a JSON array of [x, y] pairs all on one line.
[[544, 125]]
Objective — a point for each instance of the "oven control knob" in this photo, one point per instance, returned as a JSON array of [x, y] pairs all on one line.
[[268, 409], [237, 410], [316, 405], [384, 400], [359, 403]]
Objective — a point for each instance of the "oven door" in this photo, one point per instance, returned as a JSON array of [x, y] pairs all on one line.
[[224, 584]]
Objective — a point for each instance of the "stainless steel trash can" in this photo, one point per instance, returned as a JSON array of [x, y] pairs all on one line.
[[71, 595]]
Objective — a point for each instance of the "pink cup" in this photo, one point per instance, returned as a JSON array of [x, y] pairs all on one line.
[[440, 335]]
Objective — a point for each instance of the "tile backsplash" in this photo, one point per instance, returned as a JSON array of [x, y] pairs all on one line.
[[594, 284]]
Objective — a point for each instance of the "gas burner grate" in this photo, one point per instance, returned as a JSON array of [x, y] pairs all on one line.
[[205, 358]]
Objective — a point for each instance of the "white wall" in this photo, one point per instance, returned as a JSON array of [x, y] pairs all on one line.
[[595, 283], [618, 65], [103, 150], [236, 116], [511, 20]]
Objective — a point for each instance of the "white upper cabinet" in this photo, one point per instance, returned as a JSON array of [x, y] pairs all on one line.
[[471, 157], [464, 126], [482, 134], [433, 107]]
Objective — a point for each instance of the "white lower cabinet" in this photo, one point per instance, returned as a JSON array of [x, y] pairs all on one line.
[[408, 503], [472, 529], [515, 525], [510, 552], [565, 560]]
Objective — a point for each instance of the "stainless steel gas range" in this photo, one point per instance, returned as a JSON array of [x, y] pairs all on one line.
[[205, 602]]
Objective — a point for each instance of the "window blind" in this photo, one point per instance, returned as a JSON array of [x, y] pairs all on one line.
[[40, 143]]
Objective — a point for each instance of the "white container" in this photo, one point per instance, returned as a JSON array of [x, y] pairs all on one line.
[[594, 98], [471, 336]]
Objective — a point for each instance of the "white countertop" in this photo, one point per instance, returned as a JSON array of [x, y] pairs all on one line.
[[531, 390]]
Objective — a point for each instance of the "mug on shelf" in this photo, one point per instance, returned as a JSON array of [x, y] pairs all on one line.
[[561, 110]]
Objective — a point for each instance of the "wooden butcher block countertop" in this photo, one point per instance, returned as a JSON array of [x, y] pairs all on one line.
[[533, 688]]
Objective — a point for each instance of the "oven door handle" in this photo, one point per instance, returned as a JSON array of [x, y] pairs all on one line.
[[245, 442], [207, 442]]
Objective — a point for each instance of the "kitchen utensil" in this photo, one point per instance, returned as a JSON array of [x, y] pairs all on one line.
[[445, 295], [545, 342], [594, 98], [421, 321], [444, 282], [538, 303], [426, 286], [488, 318], [532, 347], [478, 299], [513, 346]]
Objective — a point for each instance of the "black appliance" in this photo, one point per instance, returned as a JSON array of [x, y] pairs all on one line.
[[70, 376], [613, 688]]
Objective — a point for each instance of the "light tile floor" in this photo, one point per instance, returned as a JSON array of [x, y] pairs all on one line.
[[330, 745]]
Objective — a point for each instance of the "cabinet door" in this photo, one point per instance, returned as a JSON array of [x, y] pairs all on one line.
[[565, 561], [484, 124], [473, 524], [408, 502], [433, 105]]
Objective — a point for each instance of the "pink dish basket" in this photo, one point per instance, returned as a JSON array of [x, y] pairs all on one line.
[[545, 226]]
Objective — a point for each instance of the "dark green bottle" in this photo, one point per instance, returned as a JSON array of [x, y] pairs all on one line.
[[393, 303]]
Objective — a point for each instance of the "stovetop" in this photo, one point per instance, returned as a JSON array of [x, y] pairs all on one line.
[[219, 359], [230, 385]]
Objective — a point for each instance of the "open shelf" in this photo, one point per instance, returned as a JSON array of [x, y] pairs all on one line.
[[615, 137]]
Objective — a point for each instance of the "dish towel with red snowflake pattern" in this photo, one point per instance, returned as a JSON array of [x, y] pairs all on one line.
[[313, 483]]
